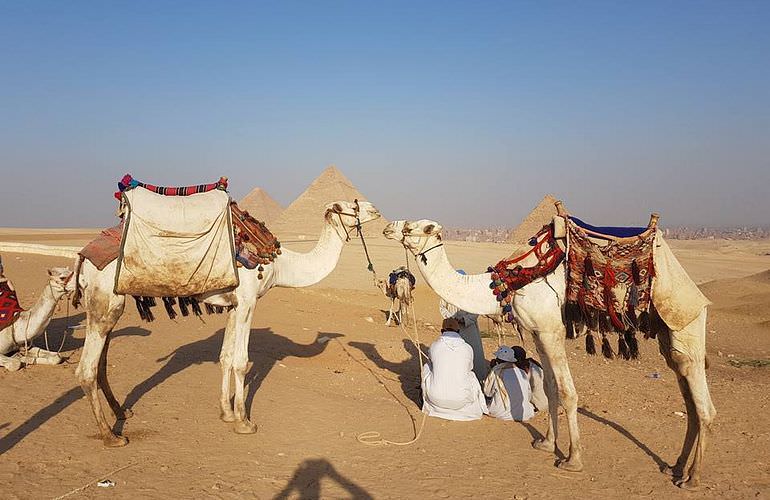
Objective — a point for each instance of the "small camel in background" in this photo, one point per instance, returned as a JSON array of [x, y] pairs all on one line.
[[398, 288]]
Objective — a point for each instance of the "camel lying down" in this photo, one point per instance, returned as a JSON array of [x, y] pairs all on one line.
[[32, 324]]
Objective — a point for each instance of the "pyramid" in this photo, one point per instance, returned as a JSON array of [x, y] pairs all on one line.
[[541, 215], [261, 205], [303, 219]]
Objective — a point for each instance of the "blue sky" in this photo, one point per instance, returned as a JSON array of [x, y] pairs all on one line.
[[463, 112]]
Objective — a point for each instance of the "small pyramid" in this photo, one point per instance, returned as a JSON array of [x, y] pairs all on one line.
[[261, 205], [303, 219], [541, 215]]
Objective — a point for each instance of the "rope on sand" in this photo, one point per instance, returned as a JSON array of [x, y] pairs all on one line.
[[100, 478], [374, 438]]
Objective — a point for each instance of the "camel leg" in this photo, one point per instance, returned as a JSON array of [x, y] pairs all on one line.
[[43, 357], [243, 314], [118, 412], [704, 410], [10, 364], [551, 348], [548, 443], [403, 313], [677, 470], [226, 363], [390, 313], [685, 354], [397, 310], [88, 369]]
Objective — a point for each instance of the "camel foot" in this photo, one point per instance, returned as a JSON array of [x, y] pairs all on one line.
[[115, 441], [227, 416], [571, 465], [672, 470], [544, 445], [688, 483], [124, 414], [244, 427], [12, 364]]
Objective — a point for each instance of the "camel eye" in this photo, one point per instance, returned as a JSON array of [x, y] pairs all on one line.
[[337, 208], [429, 229]]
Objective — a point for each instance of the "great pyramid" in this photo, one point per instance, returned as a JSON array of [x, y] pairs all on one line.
[[261, 206], [303, 219], [541, 215]]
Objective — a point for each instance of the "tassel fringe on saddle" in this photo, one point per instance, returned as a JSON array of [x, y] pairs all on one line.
[[186, 305]]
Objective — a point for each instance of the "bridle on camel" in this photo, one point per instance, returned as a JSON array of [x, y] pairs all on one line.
[[423, 252], [357, 227], [45, 332]]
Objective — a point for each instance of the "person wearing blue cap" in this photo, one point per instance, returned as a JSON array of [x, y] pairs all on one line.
[[469, 331], [508, 387]]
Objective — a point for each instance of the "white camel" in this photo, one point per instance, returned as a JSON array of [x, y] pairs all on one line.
[[32, 323], [537, 308], [290, 269], [399, 293]]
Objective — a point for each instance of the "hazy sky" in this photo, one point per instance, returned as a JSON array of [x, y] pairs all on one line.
[[463, 112]]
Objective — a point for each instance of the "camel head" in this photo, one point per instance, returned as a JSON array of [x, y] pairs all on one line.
[[344, 215], [416, 236], [61, 280]]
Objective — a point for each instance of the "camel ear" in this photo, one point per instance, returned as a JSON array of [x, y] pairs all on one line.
[[50, 272]]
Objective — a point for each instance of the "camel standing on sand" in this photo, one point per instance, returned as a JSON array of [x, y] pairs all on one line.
[[400, 292], [537, 308], [32, 323], [290, 269]]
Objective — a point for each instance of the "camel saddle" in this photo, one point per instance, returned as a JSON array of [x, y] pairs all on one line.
[[175, 246], [9, 305]]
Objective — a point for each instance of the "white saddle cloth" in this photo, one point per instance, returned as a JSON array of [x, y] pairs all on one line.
[[176, 246]]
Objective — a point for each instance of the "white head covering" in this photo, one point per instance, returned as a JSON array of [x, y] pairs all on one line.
[[506, 354]]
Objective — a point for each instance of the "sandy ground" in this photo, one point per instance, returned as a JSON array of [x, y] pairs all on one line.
[[312, 399]]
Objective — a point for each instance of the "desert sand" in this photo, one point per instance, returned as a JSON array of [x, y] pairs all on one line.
[[312, 399]]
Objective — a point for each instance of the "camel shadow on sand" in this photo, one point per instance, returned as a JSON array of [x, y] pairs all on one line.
[[408, 371], [306, 482], [266, 349], [56, 330]]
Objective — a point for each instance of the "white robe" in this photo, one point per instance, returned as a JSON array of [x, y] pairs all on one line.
[[470, 334], [450, 389], [508, 386]]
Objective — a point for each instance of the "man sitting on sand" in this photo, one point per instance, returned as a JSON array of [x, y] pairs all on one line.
[[449, 387], [469, 331], [509, 388], [534, 372]]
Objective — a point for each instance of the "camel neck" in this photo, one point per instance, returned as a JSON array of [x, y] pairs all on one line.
[[294, 269], [469, 293]]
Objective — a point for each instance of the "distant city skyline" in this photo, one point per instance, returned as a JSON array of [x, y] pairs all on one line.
[[466, 113]]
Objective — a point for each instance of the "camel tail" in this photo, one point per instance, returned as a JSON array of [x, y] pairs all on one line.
[[37, 249]]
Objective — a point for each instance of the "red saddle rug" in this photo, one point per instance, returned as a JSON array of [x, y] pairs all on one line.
[[9, 305]]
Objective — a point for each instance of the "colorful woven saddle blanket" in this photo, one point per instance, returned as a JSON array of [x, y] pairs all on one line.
[[609, 276], [9, 305], [510, 275]]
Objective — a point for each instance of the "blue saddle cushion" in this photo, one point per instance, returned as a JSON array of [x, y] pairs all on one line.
[[618, 232]]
